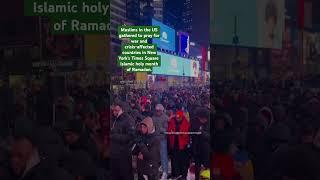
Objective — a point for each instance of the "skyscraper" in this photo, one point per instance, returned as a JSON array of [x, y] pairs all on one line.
[[147, 11], [158, 9], [117, 17], [178, 14], [142, 11], [133, 11], [151, 9], [187, 16]]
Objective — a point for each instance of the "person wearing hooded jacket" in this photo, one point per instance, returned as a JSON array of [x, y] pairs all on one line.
[[179, 140], [148, 151]]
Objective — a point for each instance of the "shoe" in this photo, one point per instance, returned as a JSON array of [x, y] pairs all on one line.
[[177, 177], [164, 176]]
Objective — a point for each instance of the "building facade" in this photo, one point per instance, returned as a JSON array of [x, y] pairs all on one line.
[[179, 18], [118, 17]]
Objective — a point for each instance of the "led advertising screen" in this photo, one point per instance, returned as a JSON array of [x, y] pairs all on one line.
[[184, 43], [167, 39], [194, 68], [176, 66], [247, 23]]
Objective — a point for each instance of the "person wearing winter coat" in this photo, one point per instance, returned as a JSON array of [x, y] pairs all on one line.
[[27, 163], [222, 161], [80, 165], [76, 139], [201, 142], [161, 120], [121, 136], [148, 151], [179, 140]]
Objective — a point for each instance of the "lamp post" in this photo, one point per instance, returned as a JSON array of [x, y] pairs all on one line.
[[183, 76], [235, 39]]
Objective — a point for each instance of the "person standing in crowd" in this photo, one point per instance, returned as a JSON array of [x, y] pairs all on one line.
[[147, 110], [222, 162], [179, 141], [80, 165], [201, 142], [161, 120], [121, 136], [77, 139], [27, 164], [148, 151]]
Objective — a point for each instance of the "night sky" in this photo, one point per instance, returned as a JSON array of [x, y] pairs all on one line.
[[201, 21]]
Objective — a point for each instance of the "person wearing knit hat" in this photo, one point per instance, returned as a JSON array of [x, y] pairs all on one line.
[[148, 151], [160, 120], [147, 126]]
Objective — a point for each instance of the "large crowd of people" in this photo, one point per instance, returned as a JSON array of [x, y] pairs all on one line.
[[158, 127], [49, 135], [265, 131], [234, 130]]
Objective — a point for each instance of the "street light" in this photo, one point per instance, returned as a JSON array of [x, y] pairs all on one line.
[[183, 76], [235, 40]]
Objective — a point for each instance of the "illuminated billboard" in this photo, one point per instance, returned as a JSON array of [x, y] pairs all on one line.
[[177, 66], [167, 39], [184, 43], [248, 23], [194, 68]]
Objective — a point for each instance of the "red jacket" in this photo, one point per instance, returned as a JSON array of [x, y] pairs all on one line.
[[184, 139], [222, 165]]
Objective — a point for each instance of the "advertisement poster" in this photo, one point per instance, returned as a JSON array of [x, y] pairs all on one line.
[[248, 23], [283, 59], [184, 43], [60, 47], [311, 44], [271, 22], [177, 66], [194, 68], [170, 65], [167, 39]]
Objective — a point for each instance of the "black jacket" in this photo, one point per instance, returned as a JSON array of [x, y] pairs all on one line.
[[150, 149], [201, 143], [46, 171], [121, 136], [85, 143]]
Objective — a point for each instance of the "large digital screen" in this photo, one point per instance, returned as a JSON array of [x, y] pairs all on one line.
[[247, 23], [184, 43], [176, 66], [167, 39], [194, 68], [311, 46]]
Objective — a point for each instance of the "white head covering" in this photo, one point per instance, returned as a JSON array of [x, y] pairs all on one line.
[[159, 107]]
